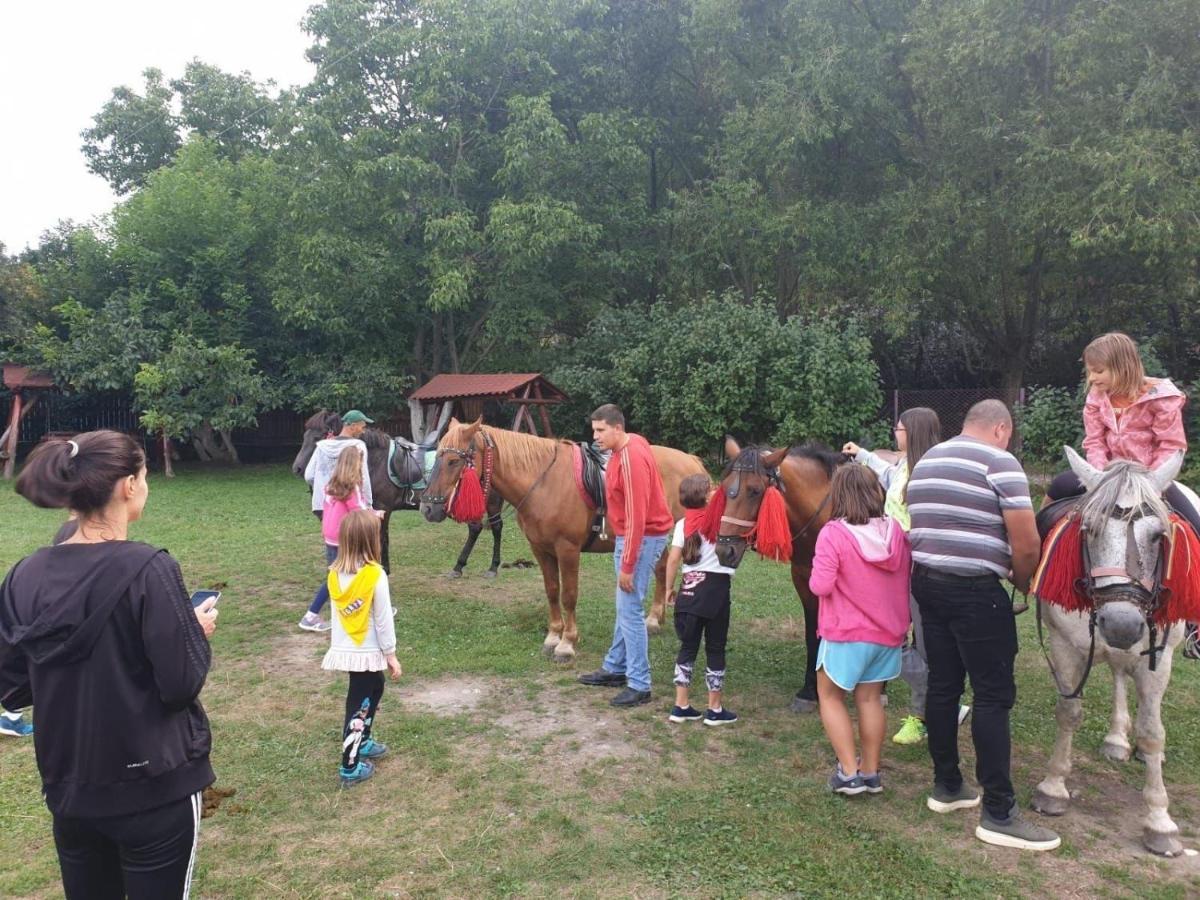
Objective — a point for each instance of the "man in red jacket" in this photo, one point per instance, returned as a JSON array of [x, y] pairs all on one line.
[[641, 520]]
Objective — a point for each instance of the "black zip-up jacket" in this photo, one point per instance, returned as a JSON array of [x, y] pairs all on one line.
[[103, 638]]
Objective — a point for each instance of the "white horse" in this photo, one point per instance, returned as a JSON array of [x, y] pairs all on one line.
[[1124, 522]]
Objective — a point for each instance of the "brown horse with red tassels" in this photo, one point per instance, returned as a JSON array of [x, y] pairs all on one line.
[[536, 476], [776, 501]]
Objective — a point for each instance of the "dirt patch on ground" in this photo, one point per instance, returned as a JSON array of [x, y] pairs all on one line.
[[788, 628]]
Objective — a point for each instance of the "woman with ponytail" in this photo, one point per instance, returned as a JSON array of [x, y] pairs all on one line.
[[99, 633], [702, 606]]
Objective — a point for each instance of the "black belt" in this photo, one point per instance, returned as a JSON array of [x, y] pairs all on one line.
[[951, 578]]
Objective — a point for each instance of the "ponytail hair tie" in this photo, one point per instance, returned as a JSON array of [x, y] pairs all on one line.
[[74, 450]]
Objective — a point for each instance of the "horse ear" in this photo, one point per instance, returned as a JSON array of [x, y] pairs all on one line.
[[469, 431], [732, 450], [1167, 471], [773, 459], [1088, 474]]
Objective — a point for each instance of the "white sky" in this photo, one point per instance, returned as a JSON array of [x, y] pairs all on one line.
[[59, 62]]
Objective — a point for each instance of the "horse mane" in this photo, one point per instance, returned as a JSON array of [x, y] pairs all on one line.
[[323, 420], [376, 439], [1120, 478], [824, 456], [518, 449]]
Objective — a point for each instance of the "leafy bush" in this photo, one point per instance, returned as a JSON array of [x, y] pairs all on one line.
[[1051, 418]]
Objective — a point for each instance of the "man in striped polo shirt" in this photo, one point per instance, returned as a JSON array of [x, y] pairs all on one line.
[[972, 525]]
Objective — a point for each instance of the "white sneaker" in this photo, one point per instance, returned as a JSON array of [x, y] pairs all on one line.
[[313, 622]]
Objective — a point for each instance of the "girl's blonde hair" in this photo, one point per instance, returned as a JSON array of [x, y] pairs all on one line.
[[1119, 354], [347, 474], [855, 495], [358, 541]]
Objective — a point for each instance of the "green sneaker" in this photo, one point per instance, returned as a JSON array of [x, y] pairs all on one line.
[[911, 732]]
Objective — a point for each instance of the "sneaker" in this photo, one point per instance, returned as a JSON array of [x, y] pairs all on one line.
[[1015, 832], [630, 697], [602, 678], [356, 774], [684, 714], [963, 712], [17, 727], [911, 732], [372, 749], [313, 622], [719, 717], [840, 783], [874, 783], [942, 800]]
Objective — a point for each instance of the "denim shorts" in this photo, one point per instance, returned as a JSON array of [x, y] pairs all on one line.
[[851, 663]]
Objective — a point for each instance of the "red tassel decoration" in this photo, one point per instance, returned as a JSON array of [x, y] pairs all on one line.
[[468, 503], [1059, 576], [713, 512], [772, 534], [1181, 581]]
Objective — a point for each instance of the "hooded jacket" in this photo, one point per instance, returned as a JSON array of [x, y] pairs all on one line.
[[103, 639], [861, 575], [324, 460], [1149, 431]]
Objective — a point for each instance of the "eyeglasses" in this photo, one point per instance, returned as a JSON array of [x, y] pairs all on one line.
[[899, 428]]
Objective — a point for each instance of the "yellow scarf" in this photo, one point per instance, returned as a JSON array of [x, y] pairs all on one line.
[[354, 604]]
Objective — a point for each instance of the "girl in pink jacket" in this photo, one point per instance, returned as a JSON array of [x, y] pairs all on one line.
[[1128, 416], [860, 573]]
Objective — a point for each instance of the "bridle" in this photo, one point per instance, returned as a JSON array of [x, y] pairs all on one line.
[[468, 458], [1146, 592], [749, 462]]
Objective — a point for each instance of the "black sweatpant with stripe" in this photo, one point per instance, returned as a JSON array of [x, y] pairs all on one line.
[[143, 856]]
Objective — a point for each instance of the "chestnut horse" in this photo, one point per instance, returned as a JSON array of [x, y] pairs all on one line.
[[803, 474], [387, 496], [536, 476]]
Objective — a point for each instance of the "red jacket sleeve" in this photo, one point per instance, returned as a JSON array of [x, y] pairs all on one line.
[[635, 472]]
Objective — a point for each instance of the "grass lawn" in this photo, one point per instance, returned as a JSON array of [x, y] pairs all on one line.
[[507, 778]]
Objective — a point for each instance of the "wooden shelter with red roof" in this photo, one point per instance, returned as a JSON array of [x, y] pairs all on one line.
[[24, 384], [527, 391]]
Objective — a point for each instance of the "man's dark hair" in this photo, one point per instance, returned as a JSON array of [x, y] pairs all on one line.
[[610, 414]]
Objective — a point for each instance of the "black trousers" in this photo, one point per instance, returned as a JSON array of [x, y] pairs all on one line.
[[362, 701], [144, 856], [969, 630], [690, 629], [1067, 484]]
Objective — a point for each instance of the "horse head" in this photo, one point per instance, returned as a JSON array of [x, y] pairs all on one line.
[[321, 425], [744, 482], [455, 452], [1124, 520]]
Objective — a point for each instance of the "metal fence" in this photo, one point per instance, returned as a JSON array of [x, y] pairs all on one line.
[[950, 404]]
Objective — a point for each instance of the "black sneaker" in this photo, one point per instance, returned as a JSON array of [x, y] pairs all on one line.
[[720, 717], [602, 678], [684, 714], [630, 697], [841, 783]]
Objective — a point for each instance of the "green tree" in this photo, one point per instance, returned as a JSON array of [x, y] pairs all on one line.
[[133, 134]]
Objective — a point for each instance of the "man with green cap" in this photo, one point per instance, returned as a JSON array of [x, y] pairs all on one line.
[[317, 474]]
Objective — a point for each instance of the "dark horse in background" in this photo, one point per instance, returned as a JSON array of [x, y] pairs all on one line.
[[804, 475], [388, 496]]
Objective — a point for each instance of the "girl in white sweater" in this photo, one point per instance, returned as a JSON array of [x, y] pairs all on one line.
[[362, 640]]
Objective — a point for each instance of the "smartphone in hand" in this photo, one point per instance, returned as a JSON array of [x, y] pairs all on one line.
[[199, 597]]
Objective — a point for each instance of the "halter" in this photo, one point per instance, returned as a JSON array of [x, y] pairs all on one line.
[[468, 457], [1147, 595], [753, 466]]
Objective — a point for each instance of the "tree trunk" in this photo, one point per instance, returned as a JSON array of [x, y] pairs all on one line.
[[168, 465]]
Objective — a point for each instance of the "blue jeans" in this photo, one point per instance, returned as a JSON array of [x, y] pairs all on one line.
[[629, 654], [322, 595]]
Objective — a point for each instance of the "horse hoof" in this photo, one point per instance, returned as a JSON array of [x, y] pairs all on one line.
[[490, 573], [1161, 844], [564, 659], [454, 573], [1049, 805], [653, 626], [801, 706], [1114, 752]]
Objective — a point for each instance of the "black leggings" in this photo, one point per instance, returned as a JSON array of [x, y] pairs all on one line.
[[144, 856], [1067, 484], [362, 700], [715, 632]]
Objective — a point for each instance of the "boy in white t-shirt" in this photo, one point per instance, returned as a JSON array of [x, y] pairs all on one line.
[[701, 606]]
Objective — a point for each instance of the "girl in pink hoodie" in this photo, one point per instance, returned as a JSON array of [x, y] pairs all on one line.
[[860, 573], [1128, 416]]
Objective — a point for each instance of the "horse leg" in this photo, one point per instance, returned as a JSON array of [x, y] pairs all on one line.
[[473, 531], [568, 570], [1052, 798], [497, 526], [549, 563], [658, 606], [384, 542], [1159, 833], [1116, 742], [805, 700]]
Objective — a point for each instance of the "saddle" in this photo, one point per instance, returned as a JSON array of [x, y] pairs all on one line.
[[1053, 513], [409, 464], [590, 465]]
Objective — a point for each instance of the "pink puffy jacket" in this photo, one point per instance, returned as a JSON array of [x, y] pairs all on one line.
[[1147, 432]]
